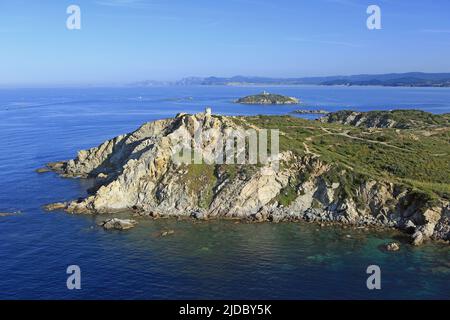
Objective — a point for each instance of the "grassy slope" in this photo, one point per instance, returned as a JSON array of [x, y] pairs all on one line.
[[417, 158], [403, 118]]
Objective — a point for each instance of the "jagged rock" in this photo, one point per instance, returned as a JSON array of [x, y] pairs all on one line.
[[310, 216], [154, 215], [258, 217], [417, 238], [381, 217], [118, 224], [393, 246], [276, 218], [432, 217], [409, 226], [442, 228], [57, 166], [199, 215]]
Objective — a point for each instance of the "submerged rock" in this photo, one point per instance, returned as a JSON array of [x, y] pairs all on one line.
[[55, 206], [167, 233], [9, 214], [58, 167], [43, 170], [118, 224], [392, 246]]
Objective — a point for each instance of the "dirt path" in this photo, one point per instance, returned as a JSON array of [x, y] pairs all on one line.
[[346, 135], [308, 151]]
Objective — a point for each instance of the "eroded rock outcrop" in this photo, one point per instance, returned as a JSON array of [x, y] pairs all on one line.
[[137, 172], [398, 119]]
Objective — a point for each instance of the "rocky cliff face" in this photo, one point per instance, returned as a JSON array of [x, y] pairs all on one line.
[[398, 119], [360, 119], [137, 172]]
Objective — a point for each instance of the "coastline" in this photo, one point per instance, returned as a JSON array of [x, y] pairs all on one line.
[[298, 254], [151, 185]]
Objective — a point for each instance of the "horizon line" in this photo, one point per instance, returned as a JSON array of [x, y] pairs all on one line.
[[174, 82]]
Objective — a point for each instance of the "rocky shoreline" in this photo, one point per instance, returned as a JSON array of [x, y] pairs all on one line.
[[135, 172]]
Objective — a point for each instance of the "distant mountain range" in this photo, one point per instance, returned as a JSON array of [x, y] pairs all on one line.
[[411, 79]]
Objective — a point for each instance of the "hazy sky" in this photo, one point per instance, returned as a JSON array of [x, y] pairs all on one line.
[[122, 41]]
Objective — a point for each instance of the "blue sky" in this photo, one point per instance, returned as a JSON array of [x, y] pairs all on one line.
[[129, 40]]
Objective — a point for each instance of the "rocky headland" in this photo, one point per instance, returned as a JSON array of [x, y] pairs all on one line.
[[328, 173], [399, 119]]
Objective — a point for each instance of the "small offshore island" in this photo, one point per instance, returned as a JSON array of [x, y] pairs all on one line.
[[371, 172], [267, 98]]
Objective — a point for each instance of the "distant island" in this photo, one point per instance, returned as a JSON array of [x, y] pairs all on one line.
[[410, 79], [267, 98]]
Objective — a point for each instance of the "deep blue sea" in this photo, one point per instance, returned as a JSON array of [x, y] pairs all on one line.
[[208, 260]]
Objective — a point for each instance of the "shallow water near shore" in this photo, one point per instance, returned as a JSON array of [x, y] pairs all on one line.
[[213, 259]]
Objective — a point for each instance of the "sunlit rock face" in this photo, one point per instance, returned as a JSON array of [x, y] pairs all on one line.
[[141, 172]]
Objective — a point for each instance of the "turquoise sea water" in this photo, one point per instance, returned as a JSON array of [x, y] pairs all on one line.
[[215, 259]]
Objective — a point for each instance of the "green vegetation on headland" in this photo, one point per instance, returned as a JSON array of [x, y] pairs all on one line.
[[417, 156], [200, 179], [399, 119], [267, 98]]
